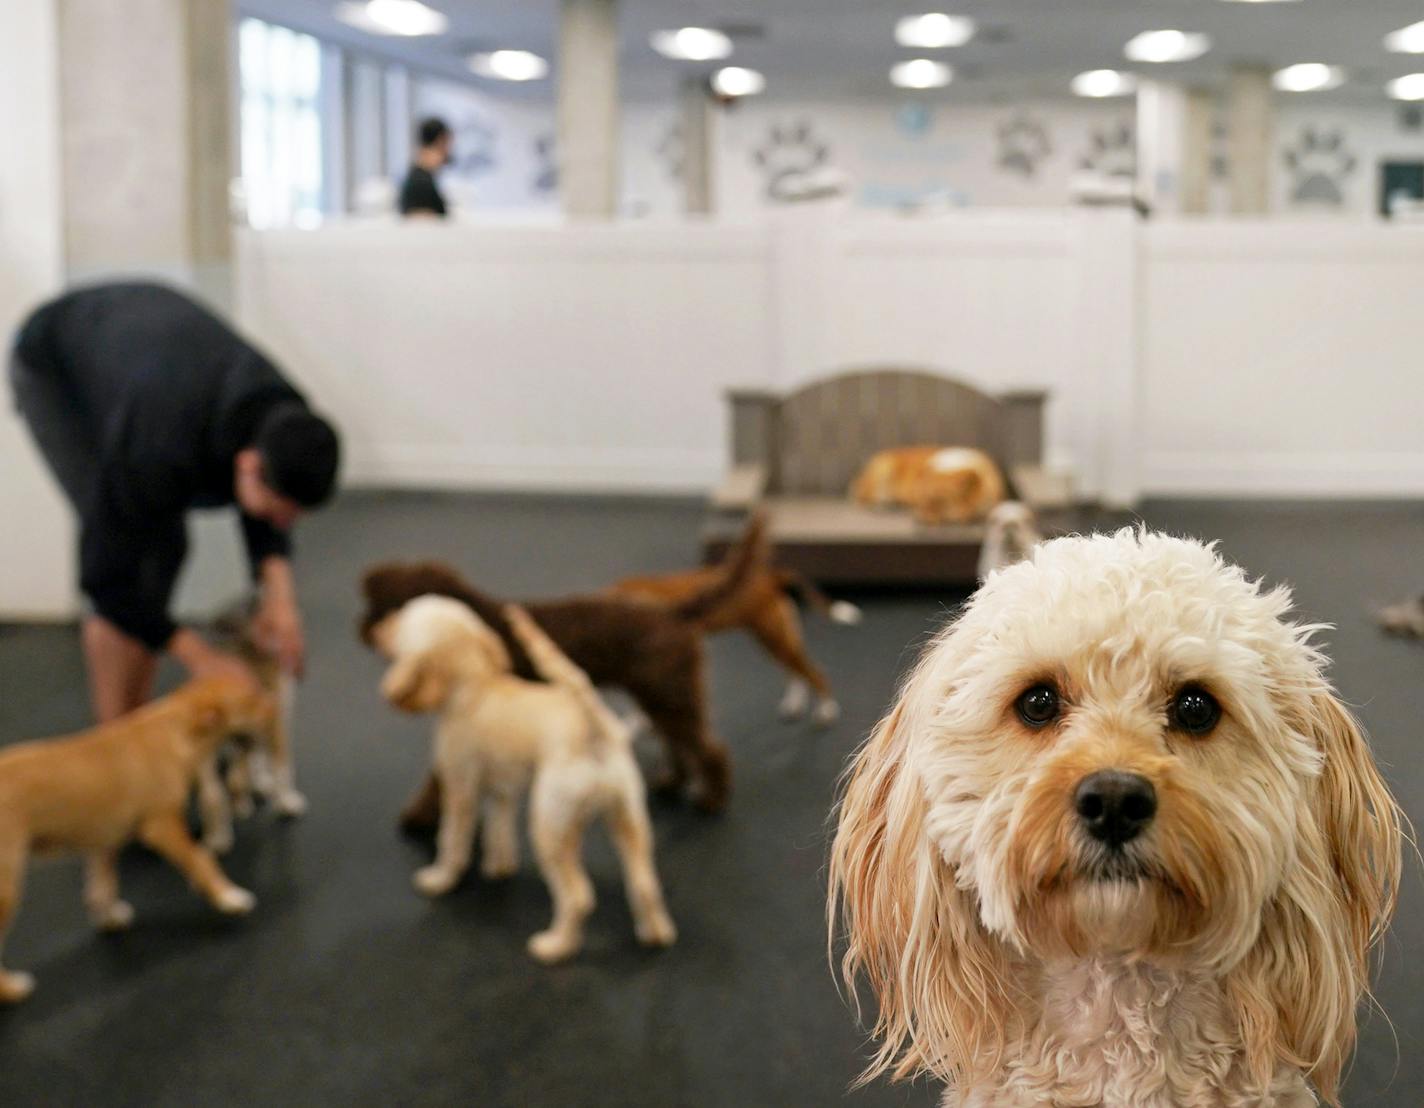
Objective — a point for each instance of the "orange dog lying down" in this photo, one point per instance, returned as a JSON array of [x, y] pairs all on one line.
[[940, 484], [130, 779]]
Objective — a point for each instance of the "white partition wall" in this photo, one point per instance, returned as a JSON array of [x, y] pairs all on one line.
[[1188, 358], [1283, 358]]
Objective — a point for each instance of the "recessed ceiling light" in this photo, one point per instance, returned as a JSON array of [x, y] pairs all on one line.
[[393, 17], [1406, 40], [1167, 46], [1308, 77], [510, 65], [934, 31], [1409, 87], [920, 73], [693, 44], [1104, 82], [733, 81]]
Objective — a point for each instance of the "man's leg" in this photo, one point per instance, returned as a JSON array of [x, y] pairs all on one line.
[[121, 670]]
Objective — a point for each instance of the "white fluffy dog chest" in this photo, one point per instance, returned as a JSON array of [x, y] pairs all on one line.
[[1129, 1036]]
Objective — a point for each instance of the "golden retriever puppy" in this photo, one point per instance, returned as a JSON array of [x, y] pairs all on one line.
[[127, 780], [499, 735], [939, 484], [260, 763], [1118, 843]]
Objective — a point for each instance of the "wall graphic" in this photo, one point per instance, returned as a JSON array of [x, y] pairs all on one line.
[[1023, 143], [671, 151], [546, 168], [1319, 163], [1112, 151], [787, 154]]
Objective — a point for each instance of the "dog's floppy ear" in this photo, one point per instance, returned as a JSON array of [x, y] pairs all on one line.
[[416, 684], [910, 931], [1297, 991]]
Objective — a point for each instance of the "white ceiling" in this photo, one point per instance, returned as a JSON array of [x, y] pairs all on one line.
[[844, 48]]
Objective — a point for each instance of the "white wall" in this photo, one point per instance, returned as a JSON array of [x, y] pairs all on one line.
[[36, 553], [1282, 358], [1368, 135]]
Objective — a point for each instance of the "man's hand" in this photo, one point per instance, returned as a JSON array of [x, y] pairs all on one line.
[[202, 660], [279, 629], [279, 624]]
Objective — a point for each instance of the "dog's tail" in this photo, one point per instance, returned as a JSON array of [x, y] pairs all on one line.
[[554, 666], [739, 568], [808, 595]]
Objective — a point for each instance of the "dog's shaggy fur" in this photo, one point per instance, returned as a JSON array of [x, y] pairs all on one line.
[[498, 736], [1216, 955], [130, 779], [652, 652], [939, 484], [764, 608]]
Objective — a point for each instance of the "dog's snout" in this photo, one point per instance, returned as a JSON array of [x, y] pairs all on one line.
[[1115, 807]]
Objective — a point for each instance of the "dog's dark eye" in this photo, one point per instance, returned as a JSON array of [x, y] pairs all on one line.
[[1195, 711], [1038, 706]]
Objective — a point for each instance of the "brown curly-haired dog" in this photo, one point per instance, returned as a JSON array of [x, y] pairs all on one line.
[[652, 652]]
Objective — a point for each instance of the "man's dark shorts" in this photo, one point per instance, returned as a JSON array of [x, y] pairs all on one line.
[[57, 423]]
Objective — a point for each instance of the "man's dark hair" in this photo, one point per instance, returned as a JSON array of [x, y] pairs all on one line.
[[300, 454], [432, 130]]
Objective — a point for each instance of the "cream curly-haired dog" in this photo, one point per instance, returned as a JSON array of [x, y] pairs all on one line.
[[1118, 844], [499, 735]]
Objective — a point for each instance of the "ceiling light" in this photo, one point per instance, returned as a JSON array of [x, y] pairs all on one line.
[[1308, 77], [1410, 87], [1104, 82], [934, 31], [393, 17], [1167, 46], [510, 65], [1406, 40], [733, 81], [693, 44], [920, 73]]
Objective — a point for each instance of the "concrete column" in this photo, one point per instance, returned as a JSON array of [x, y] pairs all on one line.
[[1173, 147], [1250, 136], [1196, 153], [147, 125], [699, 122], [38, 577], [588, 109]]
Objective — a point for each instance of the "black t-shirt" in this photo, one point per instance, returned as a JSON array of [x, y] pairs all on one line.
[[420, 193], [170, 395]]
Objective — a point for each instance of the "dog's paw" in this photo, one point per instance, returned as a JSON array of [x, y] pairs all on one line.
[[827, 712], [15, 986], [234, 901], [553, 946], [795, 702], [844, 612], [219, 840], [291, 804], [118, 916], [435, 880], [657, 930], [499, 867]]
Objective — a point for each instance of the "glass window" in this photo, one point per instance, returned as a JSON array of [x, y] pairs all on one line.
[[280, 74]]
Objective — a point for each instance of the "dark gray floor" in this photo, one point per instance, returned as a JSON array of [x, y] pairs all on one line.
[[347, 988]]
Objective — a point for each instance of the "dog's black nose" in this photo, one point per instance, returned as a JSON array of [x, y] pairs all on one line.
[[1115, 806]]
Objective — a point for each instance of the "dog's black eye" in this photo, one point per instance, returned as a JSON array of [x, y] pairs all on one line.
[[1038, 706], [1195, 711]]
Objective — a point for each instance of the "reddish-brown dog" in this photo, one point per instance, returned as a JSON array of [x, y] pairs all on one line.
[[765, 610], [652, 652]]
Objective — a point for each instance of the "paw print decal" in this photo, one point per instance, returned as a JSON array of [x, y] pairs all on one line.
[[1319, 164], [474, 147], [672, 151], [1112, 152], [1023, 145], [787, 153], [546, 169]]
